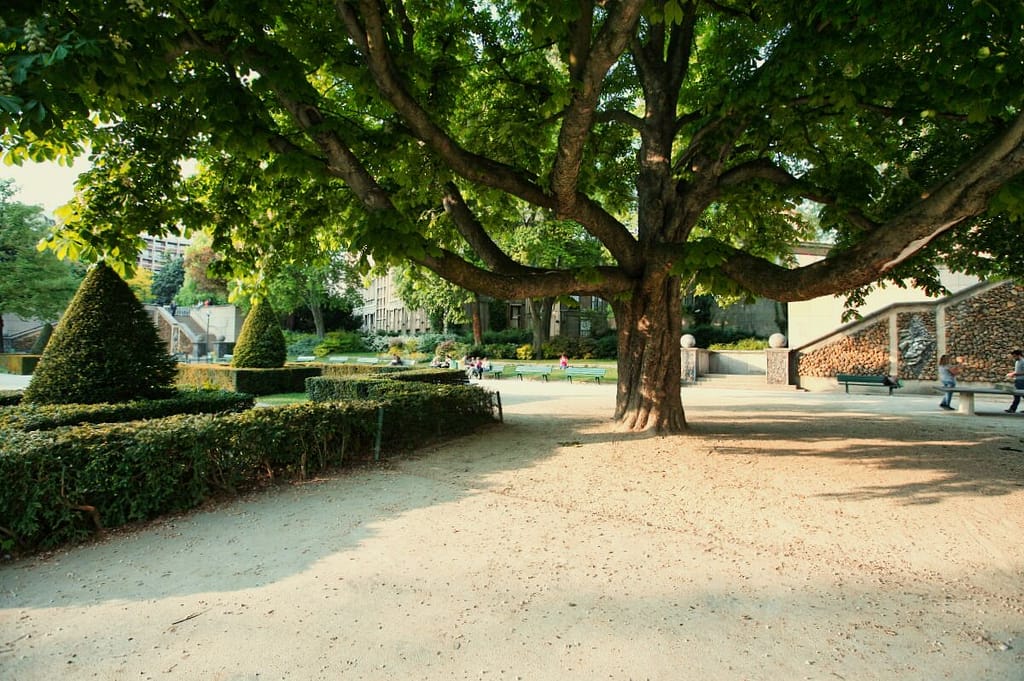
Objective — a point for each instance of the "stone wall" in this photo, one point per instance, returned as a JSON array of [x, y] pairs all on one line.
[[865, 351], [981, 326]]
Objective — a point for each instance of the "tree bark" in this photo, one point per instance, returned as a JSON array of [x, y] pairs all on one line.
[[478, 330], [317, 310], [540, 322], [650, 326]]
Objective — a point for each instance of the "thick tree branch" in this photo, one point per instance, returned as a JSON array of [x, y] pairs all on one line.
[[475, 235], [965, 195], [763, 169], [602, 281], [366, 30], [613, 38]]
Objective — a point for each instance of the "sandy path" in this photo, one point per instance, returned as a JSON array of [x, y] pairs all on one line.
[[787, 537]]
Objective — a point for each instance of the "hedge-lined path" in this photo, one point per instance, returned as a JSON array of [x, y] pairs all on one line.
[[787, 536]]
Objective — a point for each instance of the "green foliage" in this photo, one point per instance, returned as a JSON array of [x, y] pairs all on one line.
[[254, 381], [32, 284], [260, 342], [709, 335], [168, 281], [62, 485], [340, 342], [742, 344], [187, 401], [105, 349], [524, 351], [298, 344]]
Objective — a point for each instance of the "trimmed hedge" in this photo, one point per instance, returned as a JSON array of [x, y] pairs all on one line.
[[105, 349], [49, 416], [261, 343], [290, 379], [9, 398], [64, 484]]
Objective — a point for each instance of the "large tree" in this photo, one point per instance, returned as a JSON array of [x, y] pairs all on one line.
[[688, 137]]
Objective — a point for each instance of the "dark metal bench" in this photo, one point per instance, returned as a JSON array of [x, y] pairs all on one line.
[[595, 373], [879, 381]]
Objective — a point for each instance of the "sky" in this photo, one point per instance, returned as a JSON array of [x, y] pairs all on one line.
[[44, 184]]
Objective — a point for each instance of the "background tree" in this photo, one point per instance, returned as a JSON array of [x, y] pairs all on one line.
[[168, 280], [684, 135], [141, 284], [330, 283], [105, 349], [444, 303], [201, 283], [33, 284]]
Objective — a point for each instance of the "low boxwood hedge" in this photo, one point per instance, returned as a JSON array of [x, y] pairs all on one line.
[[63, 484], [48, 416]]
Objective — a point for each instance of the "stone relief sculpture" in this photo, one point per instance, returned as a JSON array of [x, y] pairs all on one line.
[[916, 346]]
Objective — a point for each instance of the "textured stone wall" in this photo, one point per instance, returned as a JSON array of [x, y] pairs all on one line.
[[981, 330], [984, 329], [863, 352]]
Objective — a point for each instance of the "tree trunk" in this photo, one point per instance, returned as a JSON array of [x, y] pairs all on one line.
[[478, 331], [540, 322], [317, 311], [2, 348], [650, 326]]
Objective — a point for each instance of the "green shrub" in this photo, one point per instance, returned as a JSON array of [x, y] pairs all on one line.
[[606, 347], [61, 485], [260, 342], [339, 342], [297, 344], [741, 344], [50, 416], [105, 349], [287, 379], [10, 398]]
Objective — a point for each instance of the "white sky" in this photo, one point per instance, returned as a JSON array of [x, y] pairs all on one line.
[[44, 184]]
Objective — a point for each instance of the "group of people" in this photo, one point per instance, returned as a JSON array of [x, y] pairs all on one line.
[[949, 369], [476, 366]]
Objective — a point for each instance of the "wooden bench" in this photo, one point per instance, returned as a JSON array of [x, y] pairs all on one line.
[[306, 358], [595, 373], [871, 381], [542, 371], [966, 401], [337, 359], [495, 371], [366, 360]]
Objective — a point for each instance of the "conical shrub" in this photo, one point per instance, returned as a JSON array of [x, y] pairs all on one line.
[[104, 349], [261, 343]]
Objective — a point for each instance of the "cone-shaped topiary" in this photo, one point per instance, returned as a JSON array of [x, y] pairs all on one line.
[[261, 343], [105, 349]]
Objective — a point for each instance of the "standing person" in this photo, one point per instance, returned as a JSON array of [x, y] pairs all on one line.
[[1018, 378], [949, 367]]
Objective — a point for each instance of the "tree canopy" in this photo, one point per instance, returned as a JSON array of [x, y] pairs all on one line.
[[689, 138]]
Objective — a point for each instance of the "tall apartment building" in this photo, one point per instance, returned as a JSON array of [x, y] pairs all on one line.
[[158, 248]]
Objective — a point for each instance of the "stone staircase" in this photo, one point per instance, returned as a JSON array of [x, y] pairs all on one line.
[[736, 382]]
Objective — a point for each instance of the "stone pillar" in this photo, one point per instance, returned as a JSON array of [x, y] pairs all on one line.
[[777, 361]]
